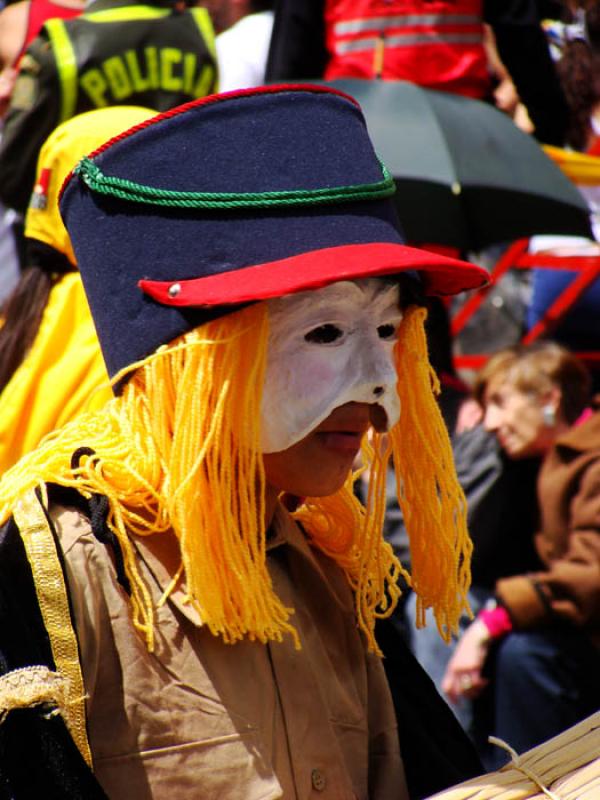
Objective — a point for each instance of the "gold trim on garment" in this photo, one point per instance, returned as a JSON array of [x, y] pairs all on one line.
[[52, 597], [31, 686]]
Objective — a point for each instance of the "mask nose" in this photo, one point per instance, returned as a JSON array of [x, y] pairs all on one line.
[[380, 371], [378, 381]]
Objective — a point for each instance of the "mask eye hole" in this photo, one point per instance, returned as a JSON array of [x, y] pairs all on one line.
[[324, 334], [387, 331]]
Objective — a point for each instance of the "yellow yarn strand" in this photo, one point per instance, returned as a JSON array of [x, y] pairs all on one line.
[[180, 449], [216, 490], [431, 499]]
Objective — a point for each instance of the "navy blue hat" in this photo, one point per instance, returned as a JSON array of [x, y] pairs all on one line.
[[231, 199]]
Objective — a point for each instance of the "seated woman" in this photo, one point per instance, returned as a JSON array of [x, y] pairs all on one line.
[[534, 650], [257, 310]]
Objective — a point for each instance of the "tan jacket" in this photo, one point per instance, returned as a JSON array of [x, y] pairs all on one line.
[[201, 719], [569, 539]]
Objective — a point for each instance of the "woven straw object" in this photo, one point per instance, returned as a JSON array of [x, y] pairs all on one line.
[[566, 767]]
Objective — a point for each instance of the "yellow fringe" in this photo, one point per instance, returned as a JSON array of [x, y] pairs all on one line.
[[432, 501], [351, 534], [180, 449]]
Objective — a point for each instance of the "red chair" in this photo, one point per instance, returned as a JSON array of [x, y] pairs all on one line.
[[517, 257]]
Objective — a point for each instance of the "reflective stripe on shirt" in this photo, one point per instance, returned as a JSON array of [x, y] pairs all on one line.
[[126, 14], [66, 66], [407, 40], [402, 21]]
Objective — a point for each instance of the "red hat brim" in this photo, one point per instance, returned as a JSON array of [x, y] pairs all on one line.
[[441, 275]]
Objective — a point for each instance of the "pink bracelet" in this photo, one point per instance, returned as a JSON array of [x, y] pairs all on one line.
[[497, 621]]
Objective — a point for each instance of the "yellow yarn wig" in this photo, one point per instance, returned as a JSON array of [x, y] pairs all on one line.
[[179, 449]]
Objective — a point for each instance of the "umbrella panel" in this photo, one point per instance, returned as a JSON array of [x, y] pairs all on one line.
[[467, 177], [430, 214], [479, 216], [502, 215]]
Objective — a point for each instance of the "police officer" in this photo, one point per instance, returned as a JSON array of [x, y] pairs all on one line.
[[157, 54]]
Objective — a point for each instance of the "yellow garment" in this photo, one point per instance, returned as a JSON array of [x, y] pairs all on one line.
[[60, 152], [57, 377], [579, 167], [64, 365]]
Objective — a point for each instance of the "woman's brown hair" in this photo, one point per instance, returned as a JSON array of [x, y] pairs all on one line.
[[536, 368]]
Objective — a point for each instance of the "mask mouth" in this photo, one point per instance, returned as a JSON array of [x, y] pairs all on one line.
[[378, 418]]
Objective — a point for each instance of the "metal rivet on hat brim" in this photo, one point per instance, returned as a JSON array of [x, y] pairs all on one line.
[[174, 289]]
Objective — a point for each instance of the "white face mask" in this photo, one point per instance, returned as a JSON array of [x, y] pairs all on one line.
[[328, 347]]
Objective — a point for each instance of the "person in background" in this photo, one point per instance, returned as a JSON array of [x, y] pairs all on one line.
[[574, 39], [575, 43], [259, 314], [439, 47], [20, 23], [51, 367], [505, 95], [534, 649], [156, 55], [243, 45]]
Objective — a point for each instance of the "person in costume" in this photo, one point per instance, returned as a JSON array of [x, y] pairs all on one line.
[[51, 367], [203, 583]]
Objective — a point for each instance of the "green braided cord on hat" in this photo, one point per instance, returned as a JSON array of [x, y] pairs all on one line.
[[124, 189]]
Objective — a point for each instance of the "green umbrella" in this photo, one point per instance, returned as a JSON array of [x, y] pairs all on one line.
[[467, 177]]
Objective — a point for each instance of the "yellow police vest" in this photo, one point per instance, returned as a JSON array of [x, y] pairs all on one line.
[[139, 55]]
